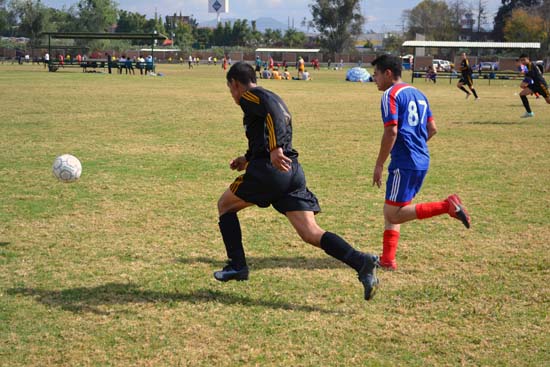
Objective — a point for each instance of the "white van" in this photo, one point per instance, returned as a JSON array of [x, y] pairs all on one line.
[[442, 65]]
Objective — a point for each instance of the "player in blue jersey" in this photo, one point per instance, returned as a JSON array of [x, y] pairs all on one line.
[[408, 125]]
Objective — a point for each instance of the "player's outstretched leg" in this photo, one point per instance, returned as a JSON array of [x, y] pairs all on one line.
[[365, 264], [394, 216], [335, 246]]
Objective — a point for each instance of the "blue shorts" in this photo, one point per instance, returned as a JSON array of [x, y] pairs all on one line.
[[403, 185]]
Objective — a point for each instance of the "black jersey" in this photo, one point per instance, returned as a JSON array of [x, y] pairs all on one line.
[[267, 122], [534, 73], [465, 68]]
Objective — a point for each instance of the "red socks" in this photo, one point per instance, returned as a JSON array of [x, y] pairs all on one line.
[[391, 239], [428, 210]]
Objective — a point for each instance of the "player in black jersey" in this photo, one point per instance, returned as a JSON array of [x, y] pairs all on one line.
[[533, 83], [466, 78], [273, 176]]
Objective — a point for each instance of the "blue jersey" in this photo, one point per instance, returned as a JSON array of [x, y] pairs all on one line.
[[408, 108]]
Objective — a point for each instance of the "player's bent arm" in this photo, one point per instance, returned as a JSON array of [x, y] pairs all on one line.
[[279, 160], [432, 129]]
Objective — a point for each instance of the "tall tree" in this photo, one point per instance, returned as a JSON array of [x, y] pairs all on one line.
[[294, 38], [33, 16], [273, 37], [63, 20], [4, 19], [337, 21], [505, 11], [97, 15], [523, 26], [432, 18], [129, 22], [240, 32], [481, 12], [184, 36]]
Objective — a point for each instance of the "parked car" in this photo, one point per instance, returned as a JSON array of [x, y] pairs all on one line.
[[442, 65], [488, 66]]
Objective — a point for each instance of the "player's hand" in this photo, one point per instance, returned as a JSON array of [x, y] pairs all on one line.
[[279, 160], [377, 176], [238, 163]]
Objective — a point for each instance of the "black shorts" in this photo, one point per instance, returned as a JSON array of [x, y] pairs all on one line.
[[467, 80], [541, 89], [258, 68], [264, 185]]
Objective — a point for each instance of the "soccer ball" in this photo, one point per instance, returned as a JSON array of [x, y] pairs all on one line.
[[67, 168]]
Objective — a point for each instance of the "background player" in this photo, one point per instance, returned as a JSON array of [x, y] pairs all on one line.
[[274, 177], [408, 125], [533, 83], [466, 78]]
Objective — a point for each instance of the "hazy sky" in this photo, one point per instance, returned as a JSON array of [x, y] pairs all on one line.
[[382, 15]]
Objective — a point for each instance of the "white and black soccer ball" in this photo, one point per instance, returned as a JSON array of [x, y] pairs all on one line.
[[67, 168]]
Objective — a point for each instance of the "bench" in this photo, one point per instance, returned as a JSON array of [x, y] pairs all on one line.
[[486, 74], [54, 65]]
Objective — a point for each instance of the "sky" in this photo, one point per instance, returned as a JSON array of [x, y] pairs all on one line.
[[381, 15]]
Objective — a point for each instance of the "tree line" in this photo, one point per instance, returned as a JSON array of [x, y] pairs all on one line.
[[336, 23]]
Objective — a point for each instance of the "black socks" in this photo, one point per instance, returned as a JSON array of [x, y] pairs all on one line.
[[232, 238], [338, 248], [526, 103]]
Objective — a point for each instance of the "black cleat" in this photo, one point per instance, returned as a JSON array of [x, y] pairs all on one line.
[[367, 275], [230, 273]]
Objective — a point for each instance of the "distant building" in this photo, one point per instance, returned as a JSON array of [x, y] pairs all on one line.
[[172, 21]]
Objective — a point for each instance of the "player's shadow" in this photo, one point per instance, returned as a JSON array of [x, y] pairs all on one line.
[[272, 262], [90, 299], [3, 244], [486, 122], [496, 122]]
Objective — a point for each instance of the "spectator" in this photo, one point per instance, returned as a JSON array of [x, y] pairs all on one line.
[[266, 74], [122, 64], [286, 74], [431, 74], [149, 64], [129, 66]]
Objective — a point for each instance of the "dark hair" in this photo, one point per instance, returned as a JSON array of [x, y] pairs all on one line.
[[390, 62], [241, 72], [523, 56]]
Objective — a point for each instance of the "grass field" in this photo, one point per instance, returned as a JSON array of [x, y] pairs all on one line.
[[116, 269]]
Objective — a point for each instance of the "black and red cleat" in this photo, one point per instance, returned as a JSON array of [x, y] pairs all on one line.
[[458, 210]]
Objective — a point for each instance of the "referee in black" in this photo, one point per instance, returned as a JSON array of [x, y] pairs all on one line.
[[466, 78], [273, 176]]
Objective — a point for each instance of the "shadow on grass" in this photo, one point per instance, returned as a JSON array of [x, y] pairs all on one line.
[[89, 299], [2, 244], [256, 263], [486, 122]]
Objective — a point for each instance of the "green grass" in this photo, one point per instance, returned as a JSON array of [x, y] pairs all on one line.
[[116, 269]]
